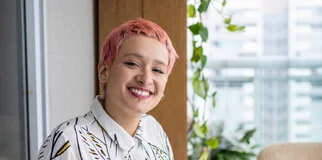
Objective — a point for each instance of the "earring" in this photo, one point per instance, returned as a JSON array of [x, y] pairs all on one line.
[[103, 85], [163, 96]]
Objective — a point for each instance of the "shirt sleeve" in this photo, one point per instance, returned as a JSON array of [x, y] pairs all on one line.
[[169, 148], [166, 142], [57, 146]]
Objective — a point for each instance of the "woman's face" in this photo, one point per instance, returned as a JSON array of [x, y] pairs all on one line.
[[137, 77]]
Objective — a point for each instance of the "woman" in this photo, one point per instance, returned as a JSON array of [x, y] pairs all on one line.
[[137, 58]]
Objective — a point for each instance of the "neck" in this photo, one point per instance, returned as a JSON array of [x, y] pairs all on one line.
[[126, 120], [129, 125]]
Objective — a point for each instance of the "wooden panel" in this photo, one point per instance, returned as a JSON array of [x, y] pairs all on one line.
[[171, 112], [171, 15], [112, 13]]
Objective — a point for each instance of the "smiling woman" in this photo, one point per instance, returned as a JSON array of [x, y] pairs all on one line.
[[137, 58], [135, 71]]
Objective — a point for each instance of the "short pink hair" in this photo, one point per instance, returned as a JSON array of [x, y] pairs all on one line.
[[137, 27]]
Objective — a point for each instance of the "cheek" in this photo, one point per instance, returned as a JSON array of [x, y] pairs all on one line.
[[162, 84], [114, 81], [119, 74]]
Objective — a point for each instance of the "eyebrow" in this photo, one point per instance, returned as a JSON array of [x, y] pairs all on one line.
[[140, 56]]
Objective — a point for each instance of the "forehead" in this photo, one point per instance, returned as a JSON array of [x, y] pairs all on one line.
[[145, 46]]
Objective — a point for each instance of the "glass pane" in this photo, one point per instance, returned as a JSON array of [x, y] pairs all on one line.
[[270, 76], [13, 132]]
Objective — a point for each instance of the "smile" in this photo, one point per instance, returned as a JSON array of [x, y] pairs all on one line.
[[142, 94]]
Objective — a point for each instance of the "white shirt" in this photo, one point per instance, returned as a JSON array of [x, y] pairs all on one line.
[[97, 136]]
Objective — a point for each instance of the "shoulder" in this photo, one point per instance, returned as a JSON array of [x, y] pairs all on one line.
[[151, 126], [69, 125], [147, 117], [62, 139], [68, 129], [156, 136], [149, 121]]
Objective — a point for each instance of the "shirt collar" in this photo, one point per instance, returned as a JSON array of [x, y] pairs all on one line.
[[118, 135]]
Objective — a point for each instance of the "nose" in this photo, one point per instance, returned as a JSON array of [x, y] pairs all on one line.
[[144, 78]]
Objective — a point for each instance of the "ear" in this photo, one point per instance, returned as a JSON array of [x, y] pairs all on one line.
[[102, 73]]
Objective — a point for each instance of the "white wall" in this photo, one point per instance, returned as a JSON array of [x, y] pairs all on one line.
[[69, 47]]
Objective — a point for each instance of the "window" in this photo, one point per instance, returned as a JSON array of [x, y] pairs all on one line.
[[284, 80]]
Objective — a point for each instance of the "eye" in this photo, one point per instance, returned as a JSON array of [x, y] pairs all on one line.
[[131, 64], [158, 71]]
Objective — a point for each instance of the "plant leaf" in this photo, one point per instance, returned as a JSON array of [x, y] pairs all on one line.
[[203, 59], [196, 75], [203, 32], [196, 113], [199, 88], [204, 128], [191, 11], [194, 44], [197, 130], [195, 28], [205, 81], [213, 96], [248, 135], [199, 28], [214, 102], [228, 20], [224, 2], [203, 6], [225, 154], [232, 28], [213, 142], [204, 155], [241, 28], [197, 53]]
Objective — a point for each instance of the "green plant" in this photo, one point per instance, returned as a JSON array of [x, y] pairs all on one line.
[[201, 144], [236, 147]]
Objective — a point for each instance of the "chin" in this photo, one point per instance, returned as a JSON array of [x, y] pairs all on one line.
[[142, 109]]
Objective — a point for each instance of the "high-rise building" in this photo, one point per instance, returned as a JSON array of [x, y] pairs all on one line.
[[230, 77], [305, 25], [272, 82]]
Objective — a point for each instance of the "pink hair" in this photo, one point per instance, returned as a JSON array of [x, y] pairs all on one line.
[[137, 27]]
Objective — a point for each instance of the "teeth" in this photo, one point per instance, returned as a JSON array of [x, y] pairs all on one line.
[[142, 93]]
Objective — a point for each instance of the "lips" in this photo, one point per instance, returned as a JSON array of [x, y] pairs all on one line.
[[140, 92]]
